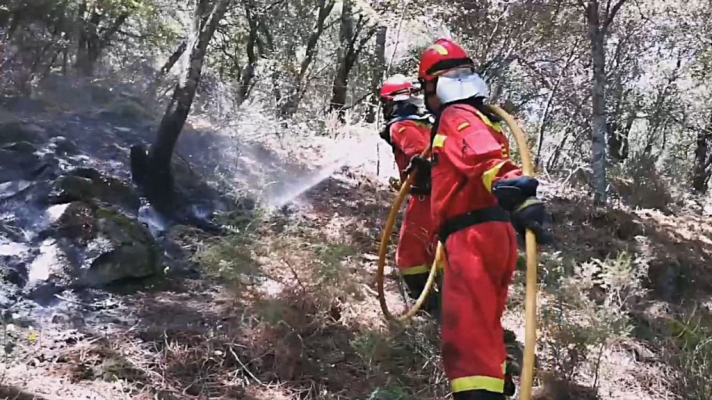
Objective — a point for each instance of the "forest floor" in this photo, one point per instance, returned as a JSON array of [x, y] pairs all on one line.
[[285, 307]]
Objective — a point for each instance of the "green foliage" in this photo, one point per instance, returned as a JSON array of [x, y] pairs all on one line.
[[371, 346], [331, 258], [229, 259], [687, 348], [410, 357], [232, 258], [589, 312], [641, 184]]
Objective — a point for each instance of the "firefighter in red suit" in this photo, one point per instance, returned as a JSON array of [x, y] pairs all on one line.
[[479, 200], [408, 130]]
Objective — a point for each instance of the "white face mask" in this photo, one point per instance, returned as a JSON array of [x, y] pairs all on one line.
[[460, 84]]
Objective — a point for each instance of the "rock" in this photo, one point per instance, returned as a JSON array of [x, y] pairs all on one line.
[[86, 184], [20, 147], [12, 188], [44, 292], [17, 165], [20, 132], [71, 188], [63, 146], [134, 254], [125, 111], [78, 223], [21, 193], [100, 246]]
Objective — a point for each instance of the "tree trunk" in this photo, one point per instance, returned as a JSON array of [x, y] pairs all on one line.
[[92, 45], [292, 103], [88, 36], [543, 122], [346, 36], [378, 71], [248, 72], [339, 91], [618, 146], [159, 182], [598, 87], [701, 171]]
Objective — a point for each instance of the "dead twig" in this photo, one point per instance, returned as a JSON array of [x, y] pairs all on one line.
[[244, 367]]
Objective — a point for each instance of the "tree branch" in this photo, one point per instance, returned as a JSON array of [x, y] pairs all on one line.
[[705, 131], [582, 4], [612, 14], [175, 56], [272, 5]]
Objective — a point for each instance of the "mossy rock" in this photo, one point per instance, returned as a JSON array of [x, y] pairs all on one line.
[[74, 188], [105, 246], [77, 223], [87, 184]]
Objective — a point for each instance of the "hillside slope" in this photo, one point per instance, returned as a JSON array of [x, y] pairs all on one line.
[[281, 304]]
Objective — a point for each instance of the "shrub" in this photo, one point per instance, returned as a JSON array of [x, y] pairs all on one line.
[[588, 312]]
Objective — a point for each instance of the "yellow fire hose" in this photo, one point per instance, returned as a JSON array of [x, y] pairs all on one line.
[[527, 379], [383, 252]]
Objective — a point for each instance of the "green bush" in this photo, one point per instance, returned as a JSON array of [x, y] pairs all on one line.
[[687, 349], [589, 312]]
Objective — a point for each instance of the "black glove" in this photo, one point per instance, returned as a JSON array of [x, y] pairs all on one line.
[[518, 196], [532, 215], [422, 167], [421, 164], [511, 193]]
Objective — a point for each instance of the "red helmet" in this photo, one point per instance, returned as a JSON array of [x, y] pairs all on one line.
[[397, 88], [441, 56]]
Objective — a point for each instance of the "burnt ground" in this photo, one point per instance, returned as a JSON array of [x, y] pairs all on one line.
[[297, 317]]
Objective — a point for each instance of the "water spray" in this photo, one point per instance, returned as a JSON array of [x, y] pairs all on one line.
[[349, 156]]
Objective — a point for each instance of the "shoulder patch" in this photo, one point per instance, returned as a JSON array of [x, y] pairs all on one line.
[[439, 141]]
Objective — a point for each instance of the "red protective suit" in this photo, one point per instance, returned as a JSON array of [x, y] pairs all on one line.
[[415, 253], [470, 154]]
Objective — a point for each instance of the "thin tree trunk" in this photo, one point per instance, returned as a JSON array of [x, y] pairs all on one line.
[[159, 187], [378, 72], [554, 158], [248, 72], [92, 45], [598, 88], [618, 146], [88, 39], [701, 170], [292, 103], [543, 122], [346, 36]]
